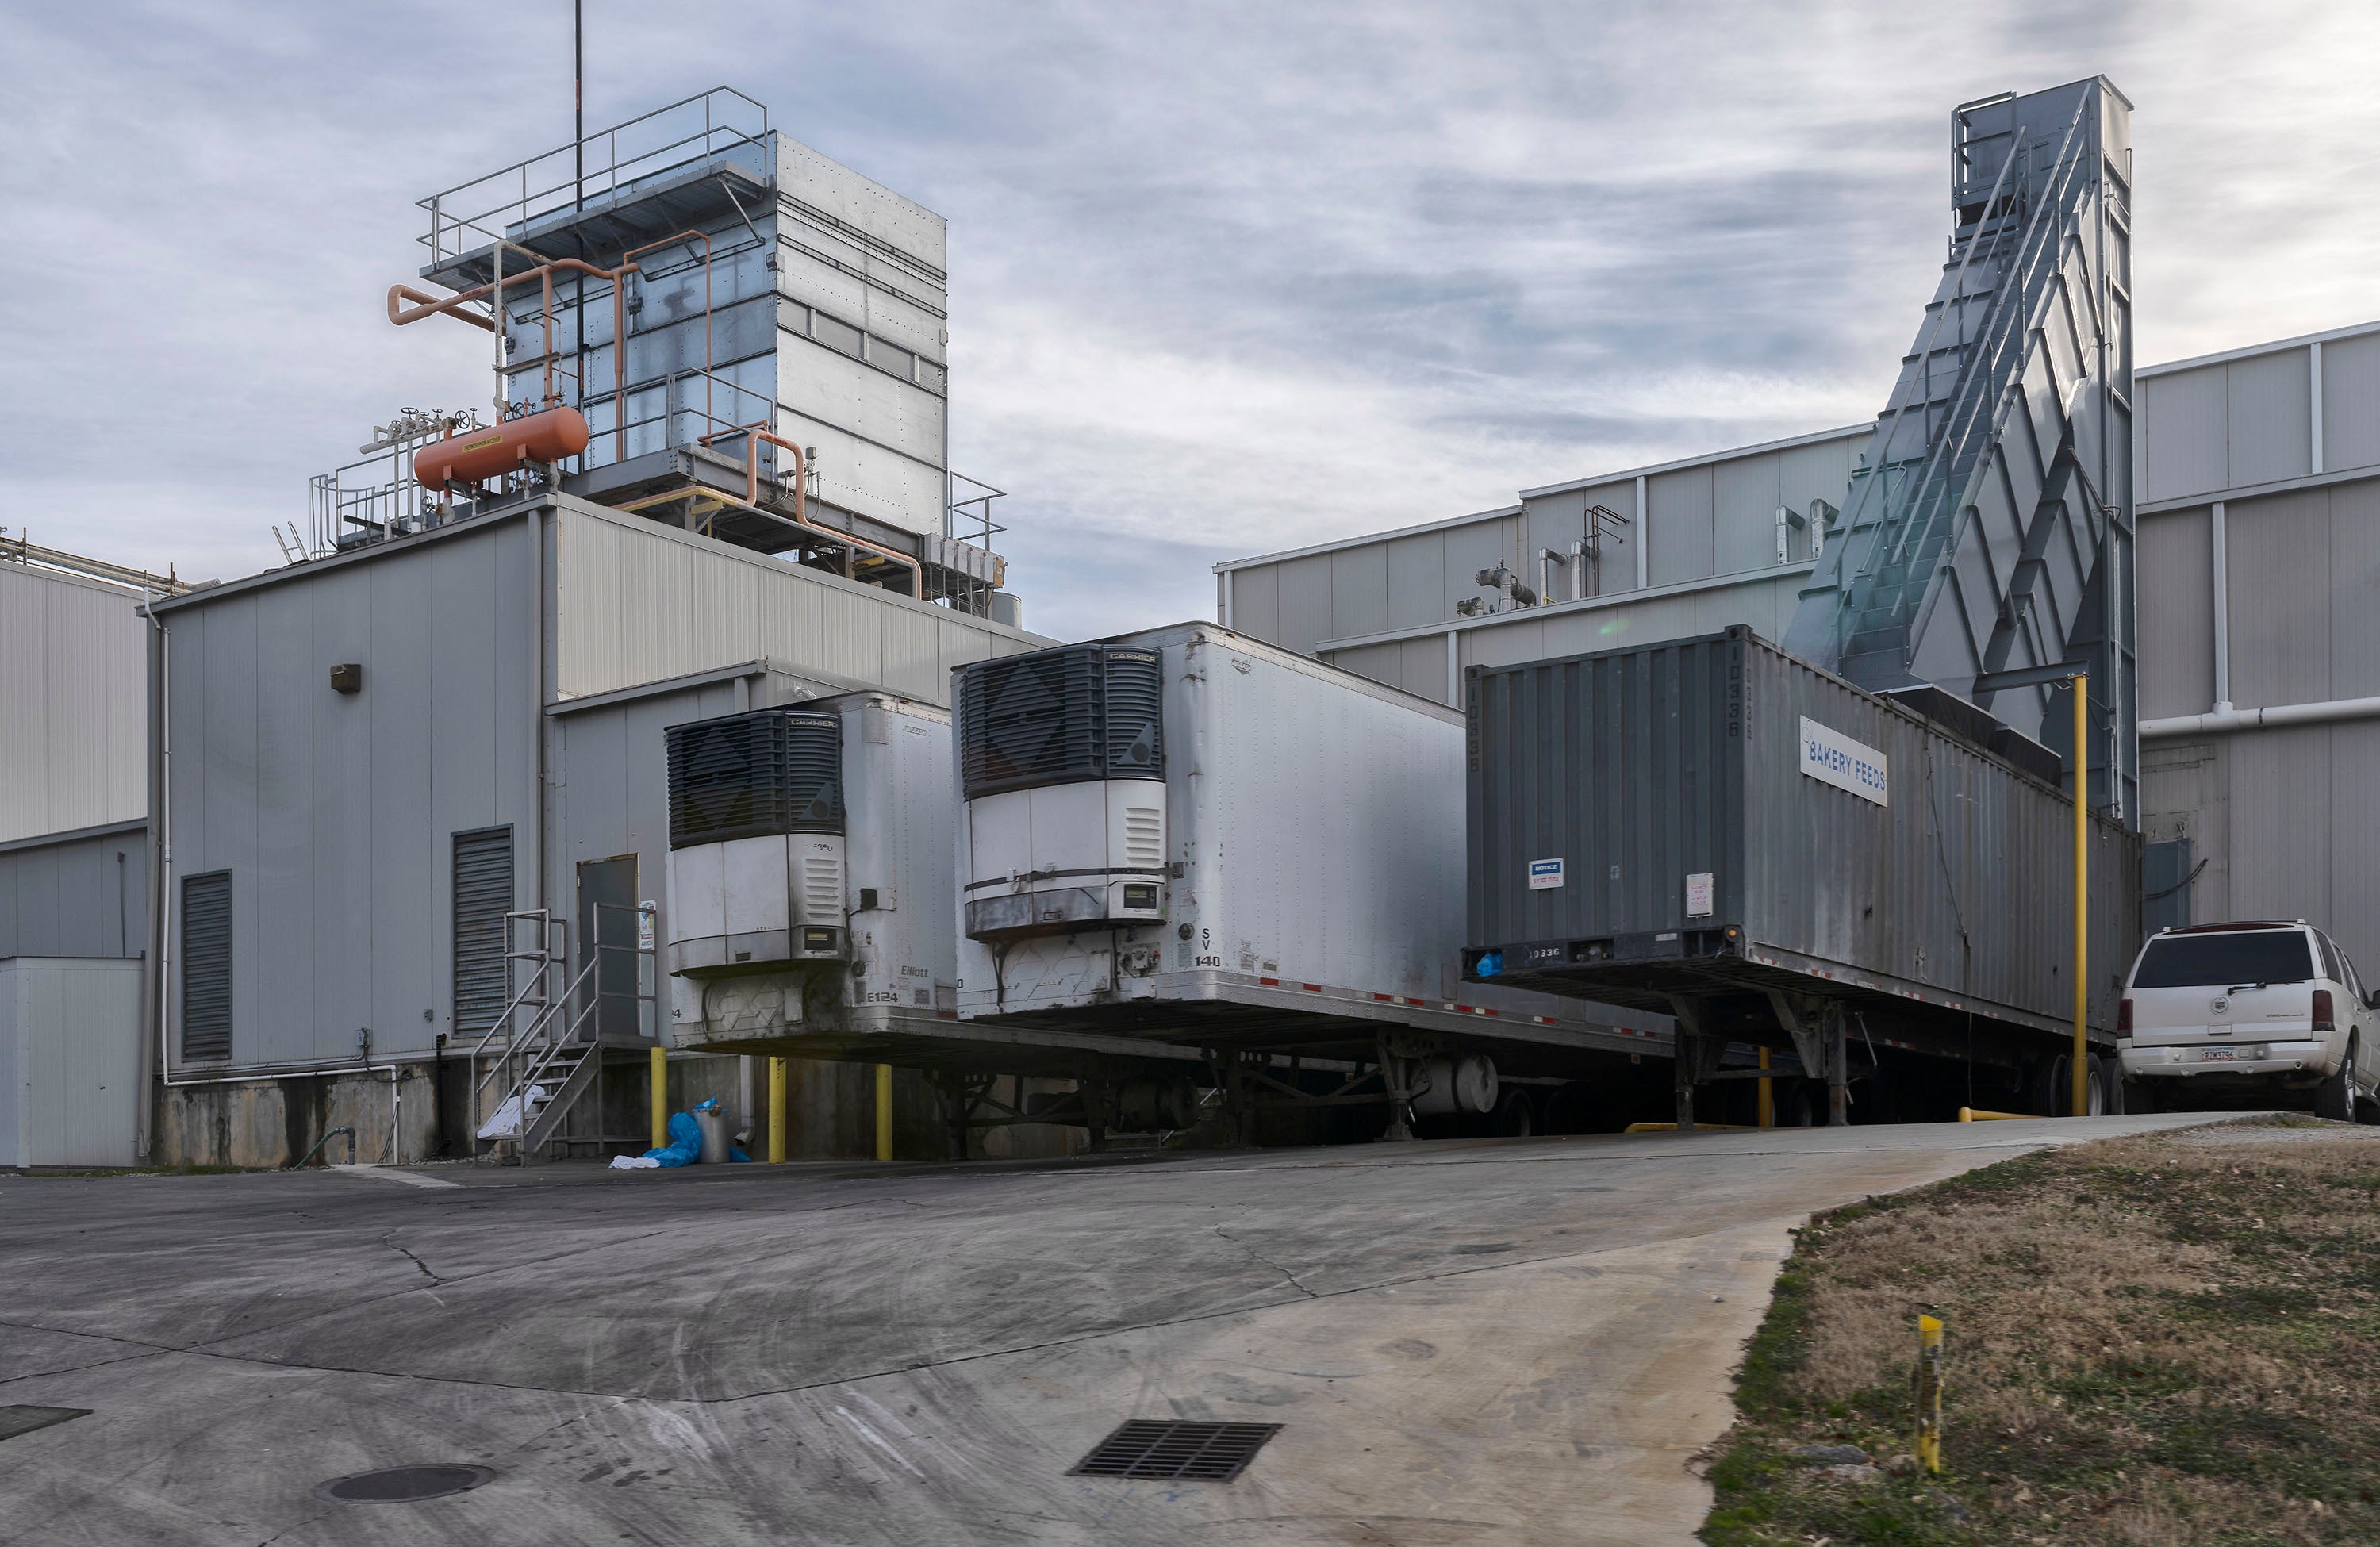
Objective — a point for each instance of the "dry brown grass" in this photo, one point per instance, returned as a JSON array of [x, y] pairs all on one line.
[[2151, 1341]]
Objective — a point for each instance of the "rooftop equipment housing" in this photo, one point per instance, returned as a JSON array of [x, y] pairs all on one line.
[[1716, 829], [1189, 836], [694, 316]]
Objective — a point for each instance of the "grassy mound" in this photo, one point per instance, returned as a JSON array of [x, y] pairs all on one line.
[[2173, 1339]]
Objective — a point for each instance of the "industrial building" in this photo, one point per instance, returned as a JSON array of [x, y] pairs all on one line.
[[379, 823], [2258, 508]]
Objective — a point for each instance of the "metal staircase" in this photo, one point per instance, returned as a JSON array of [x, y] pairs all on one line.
[[547, 1053], [1985, 546]]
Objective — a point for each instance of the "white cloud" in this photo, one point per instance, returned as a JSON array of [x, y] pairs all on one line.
[[1225, 278]]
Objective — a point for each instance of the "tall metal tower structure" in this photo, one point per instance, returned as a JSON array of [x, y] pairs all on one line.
[[1986, 545]]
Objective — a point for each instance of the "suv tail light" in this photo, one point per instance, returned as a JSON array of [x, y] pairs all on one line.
[[2321, 1021], [2123, 1018]]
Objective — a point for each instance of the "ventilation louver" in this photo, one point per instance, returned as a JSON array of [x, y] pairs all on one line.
[[751, 775], [1061, 716]]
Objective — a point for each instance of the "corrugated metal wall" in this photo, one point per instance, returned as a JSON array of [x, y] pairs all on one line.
[[74, 675], [70, 1062], [332, 811], [638, 603], [84, 895]]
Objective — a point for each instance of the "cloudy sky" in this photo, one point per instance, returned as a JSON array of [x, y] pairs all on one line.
[[1225, 278]]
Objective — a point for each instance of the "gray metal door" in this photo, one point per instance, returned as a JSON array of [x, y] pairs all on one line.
[[607, 935]]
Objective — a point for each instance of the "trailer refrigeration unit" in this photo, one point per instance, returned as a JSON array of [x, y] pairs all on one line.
[[809, 884], [1189, 836], [1719, 830]]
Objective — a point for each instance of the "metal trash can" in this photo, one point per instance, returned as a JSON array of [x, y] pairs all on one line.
[[715, 1136]]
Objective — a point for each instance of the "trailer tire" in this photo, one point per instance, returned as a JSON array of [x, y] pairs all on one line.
[[1514, 1119], [2114, 1100], [2049, 1090], [1794, 1107]]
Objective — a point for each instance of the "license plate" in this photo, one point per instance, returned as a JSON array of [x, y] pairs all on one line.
[[2219, 1056]]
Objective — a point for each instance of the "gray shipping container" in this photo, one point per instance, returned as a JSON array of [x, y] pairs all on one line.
[[1711, 816]]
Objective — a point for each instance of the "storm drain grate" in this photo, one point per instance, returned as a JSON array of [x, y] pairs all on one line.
[[24, 1420], [1178, 1449], [405, 1484]]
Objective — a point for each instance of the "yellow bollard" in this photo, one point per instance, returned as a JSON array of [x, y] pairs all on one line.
[[1929, 1394], [884, 1112], [2082, 1056], [1767, 1118], [660, 1098], [776, 1112]]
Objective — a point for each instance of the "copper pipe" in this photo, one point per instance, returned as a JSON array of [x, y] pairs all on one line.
[[431, 306], [801, 506]]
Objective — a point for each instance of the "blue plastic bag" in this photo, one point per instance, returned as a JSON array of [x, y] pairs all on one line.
[[685, 1147]]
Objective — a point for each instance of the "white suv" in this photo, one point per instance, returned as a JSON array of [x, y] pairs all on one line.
[[2225, 1009]]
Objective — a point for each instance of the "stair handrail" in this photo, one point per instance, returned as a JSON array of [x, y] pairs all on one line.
[[1894, 534]]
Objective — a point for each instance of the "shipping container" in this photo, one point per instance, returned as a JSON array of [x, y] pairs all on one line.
[[1714, 826], [1189, 835]]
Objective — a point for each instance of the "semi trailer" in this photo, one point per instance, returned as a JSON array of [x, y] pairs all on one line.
[[1778, 859], [1188, 836]]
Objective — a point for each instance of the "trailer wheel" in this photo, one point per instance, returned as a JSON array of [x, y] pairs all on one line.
[[1795, 1109], [2050, 1093], [1514, 1119], [2109, 1072]]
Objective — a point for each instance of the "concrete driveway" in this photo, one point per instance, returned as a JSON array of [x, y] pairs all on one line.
[[1508, 1341]]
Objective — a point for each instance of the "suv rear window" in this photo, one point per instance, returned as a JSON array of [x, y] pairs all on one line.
[[2221, 961]]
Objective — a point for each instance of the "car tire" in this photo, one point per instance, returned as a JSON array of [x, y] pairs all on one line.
[[2335, 1097]]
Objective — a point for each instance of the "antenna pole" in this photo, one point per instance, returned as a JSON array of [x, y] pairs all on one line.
[[578, 101]]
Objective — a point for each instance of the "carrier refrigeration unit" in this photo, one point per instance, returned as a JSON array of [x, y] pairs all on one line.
[[809, 885], [1189, 836], [1718, 829]]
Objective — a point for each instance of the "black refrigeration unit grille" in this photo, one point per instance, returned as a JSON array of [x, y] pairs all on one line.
[[1061, 716], [751, 775]]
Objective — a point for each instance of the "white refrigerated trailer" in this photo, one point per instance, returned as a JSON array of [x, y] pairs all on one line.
[[1188, 836], [810, 886]]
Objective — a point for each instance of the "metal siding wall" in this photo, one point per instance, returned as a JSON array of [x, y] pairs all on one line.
[[1821, 471], [1381, 662], [74, 680], [1305, 603], [2353, 914], [2182, 796], [1554, 521], [2280, 632], [1470, 549], [2177, 590], [1256, 602], [1423, 663], [1745, 494], [2269, 399], [333, 810], [73, 1031], [2351, 406], [640, 604], [2279, 861], [2183, 433], [1682, 523], [75, 898], [1359, 591], [2352, 572]]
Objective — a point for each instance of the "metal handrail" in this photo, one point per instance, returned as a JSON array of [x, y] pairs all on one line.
[[582, 181], [1892, 538]]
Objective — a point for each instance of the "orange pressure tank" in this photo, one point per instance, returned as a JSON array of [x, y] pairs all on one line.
[[475, 455]]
